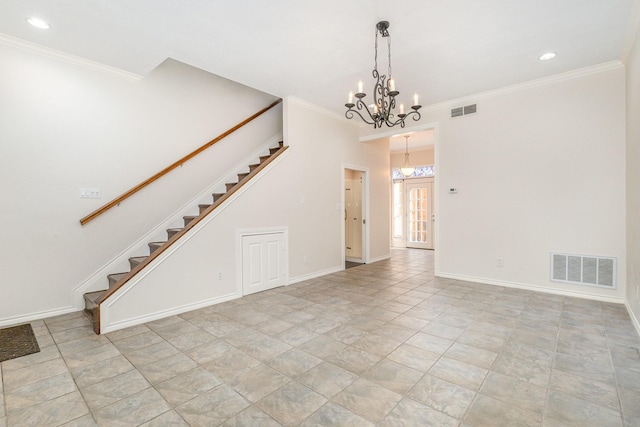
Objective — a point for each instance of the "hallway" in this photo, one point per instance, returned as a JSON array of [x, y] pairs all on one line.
[[378, 344]]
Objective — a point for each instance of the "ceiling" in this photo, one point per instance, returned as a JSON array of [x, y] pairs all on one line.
[[318, 51]]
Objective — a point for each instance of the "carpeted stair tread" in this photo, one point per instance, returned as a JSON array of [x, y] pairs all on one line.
[[203, 207], [216, 196], [253, 166], [242, 176], [263, 158], [113, 278], [155, 245], [230, 185], [133, 261], [188, 218], [173, 231], [93, 296]]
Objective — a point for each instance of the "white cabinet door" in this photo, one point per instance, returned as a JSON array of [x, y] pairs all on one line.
[[263, 262]]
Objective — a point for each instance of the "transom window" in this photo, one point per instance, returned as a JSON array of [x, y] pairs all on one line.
[[420, 172]]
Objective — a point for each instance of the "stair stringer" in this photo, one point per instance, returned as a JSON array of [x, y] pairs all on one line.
[[141, 284], [98, 280]]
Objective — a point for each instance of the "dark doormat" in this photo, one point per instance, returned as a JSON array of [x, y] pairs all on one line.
[[17, 341]]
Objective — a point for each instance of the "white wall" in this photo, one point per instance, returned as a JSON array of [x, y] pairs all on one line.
[[64, 126], [320, 145], [633, 180], [540, 169]]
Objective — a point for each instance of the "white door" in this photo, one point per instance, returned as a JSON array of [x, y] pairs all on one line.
[[263, 262], [419, 213], [353, 216]]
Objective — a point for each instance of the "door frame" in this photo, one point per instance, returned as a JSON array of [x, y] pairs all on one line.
[[365, 211], [427, 181]]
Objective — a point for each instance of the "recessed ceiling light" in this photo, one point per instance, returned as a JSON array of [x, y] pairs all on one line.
[[38, 23], [547, 56]]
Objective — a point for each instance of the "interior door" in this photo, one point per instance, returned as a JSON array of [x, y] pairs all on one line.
[[353, 215], [263, 262], [419, 213]]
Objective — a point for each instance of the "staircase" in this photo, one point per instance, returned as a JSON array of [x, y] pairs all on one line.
[[138, 263]]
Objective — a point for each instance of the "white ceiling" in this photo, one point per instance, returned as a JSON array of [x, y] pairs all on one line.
[[317, 51]]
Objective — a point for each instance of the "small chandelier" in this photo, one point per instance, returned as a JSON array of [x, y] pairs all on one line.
[[407, 170], [384, 94]]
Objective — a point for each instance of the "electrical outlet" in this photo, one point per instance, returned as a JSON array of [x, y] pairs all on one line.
[[219, 275], [500, 262]]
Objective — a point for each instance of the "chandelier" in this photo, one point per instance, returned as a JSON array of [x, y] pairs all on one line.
[[384, 94], [407, 170]]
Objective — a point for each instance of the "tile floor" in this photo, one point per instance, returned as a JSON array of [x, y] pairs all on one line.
[[381, 344]]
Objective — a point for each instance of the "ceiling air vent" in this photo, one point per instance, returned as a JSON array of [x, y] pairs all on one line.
[[584, 270], [464, 111]]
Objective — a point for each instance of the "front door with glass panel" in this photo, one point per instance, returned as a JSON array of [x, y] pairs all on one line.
[[418, 196]]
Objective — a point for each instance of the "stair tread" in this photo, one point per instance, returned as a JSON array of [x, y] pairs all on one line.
[[138, 258], [117, 275], [93, 296]]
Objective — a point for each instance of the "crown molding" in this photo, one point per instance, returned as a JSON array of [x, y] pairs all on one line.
[[556, 78], [68, 58]]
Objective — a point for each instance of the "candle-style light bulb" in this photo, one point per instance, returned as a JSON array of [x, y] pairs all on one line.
[[392, 85], [415, 99], [350, 97], [360, 86], [401, 108]]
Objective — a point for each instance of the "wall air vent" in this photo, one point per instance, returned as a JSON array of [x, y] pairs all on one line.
[[464, 111], [457, 112], [583, 270]]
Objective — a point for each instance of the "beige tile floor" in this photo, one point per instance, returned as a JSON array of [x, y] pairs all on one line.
[[381, 344]]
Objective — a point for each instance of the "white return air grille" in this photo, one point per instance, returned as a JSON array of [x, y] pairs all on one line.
[[584, 270], [464, 111]]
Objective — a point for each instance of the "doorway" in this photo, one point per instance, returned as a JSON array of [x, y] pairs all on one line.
[[413, 213], [419, 213], [354, 217]]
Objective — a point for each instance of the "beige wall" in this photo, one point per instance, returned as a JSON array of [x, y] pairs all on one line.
[[633, 180]]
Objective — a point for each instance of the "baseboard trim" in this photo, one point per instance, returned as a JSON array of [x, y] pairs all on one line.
[[160, 314], [634, 319], [535, 288], [380, 258], [36, 316], [315, 275]]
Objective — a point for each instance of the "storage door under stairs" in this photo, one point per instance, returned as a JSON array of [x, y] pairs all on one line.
[[263, 262]]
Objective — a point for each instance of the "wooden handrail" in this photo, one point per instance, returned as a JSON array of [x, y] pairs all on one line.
[[174, 165]]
